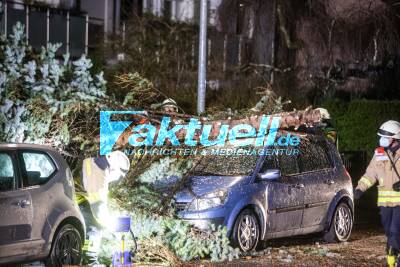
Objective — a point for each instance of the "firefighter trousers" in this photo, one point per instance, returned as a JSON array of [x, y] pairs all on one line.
[[390, 218]]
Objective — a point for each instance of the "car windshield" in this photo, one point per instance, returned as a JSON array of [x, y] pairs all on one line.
[[224, 164]]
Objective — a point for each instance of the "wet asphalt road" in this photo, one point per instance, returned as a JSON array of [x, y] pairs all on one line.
[[366, 247]]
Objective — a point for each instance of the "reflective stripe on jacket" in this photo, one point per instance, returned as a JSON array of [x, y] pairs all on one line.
[[380, 172], [95, 186], [94, 182]]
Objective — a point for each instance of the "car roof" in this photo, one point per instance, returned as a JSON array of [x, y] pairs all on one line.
[[26, 146]]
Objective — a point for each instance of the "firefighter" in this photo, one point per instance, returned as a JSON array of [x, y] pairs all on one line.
[[327, 127], [384, 170], [97, 173], [169, 105]]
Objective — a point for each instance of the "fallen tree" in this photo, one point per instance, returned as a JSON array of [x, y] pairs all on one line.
[[57, 102], [288, 120]]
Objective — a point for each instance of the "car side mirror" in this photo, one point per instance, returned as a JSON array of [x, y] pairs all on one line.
[[270, 175]]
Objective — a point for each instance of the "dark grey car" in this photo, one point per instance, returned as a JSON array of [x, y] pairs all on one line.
[[270, 196], [40, 219]]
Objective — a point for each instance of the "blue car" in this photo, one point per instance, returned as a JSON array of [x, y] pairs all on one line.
[[287, 192]]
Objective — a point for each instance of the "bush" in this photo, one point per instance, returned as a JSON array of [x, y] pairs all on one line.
[[41, 96], [358, 121], [162, 237], [54, 101]]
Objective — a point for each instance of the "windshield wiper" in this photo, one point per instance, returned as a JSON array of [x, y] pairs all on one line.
[[201, 173]]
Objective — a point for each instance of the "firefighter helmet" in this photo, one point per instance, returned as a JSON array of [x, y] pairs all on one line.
[[118, 165], [324, 113], [169, 105], [390, 129]]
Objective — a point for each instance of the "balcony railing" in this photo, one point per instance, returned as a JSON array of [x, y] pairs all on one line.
[[45, 25]]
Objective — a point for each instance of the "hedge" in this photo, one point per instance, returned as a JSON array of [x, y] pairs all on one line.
[[358, 121]]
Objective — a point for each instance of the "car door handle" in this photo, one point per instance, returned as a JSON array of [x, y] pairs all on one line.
[[22, 203], [25, 203], [298, 186], [329, 181]]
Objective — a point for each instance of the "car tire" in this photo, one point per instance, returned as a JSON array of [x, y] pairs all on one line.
[[341, 224], [246, 232], [66, 248]]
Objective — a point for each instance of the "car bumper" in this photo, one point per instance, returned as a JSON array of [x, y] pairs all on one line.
[[205, 224], [205, 218]]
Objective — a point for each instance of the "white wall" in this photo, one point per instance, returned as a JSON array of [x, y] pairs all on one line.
[[64, 4], [53, 3], [213, 14], [183, 10]]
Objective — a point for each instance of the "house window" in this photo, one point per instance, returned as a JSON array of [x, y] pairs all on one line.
[[130, 8], [245, 18], [167, 9]]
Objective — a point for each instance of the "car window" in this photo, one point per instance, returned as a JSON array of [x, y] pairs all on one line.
[[288, 164], [323, 153], [313, 155], [270, 162], [7, 177], [38, 166], [225, 165]]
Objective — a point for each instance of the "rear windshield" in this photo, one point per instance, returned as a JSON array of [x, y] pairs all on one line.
[[225, 165]]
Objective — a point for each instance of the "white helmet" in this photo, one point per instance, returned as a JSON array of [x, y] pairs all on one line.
[[390, 129], [324, 113], [169, 105], [119, 165]]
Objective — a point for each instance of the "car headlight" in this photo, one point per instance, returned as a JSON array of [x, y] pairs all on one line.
[[208, 201]]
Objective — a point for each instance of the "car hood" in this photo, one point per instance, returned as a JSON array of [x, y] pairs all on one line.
[[201, 185]]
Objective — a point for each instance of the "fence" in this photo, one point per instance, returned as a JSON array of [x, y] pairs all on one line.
[[356, 163], [46, 25]]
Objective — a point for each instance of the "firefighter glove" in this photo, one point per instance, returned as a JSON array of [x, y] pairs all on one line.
[[357, 194]]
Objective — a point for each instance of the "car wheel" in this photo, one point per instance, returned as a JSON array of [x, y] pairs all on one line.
[[66, 248], [246, 232], [341, 225]]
